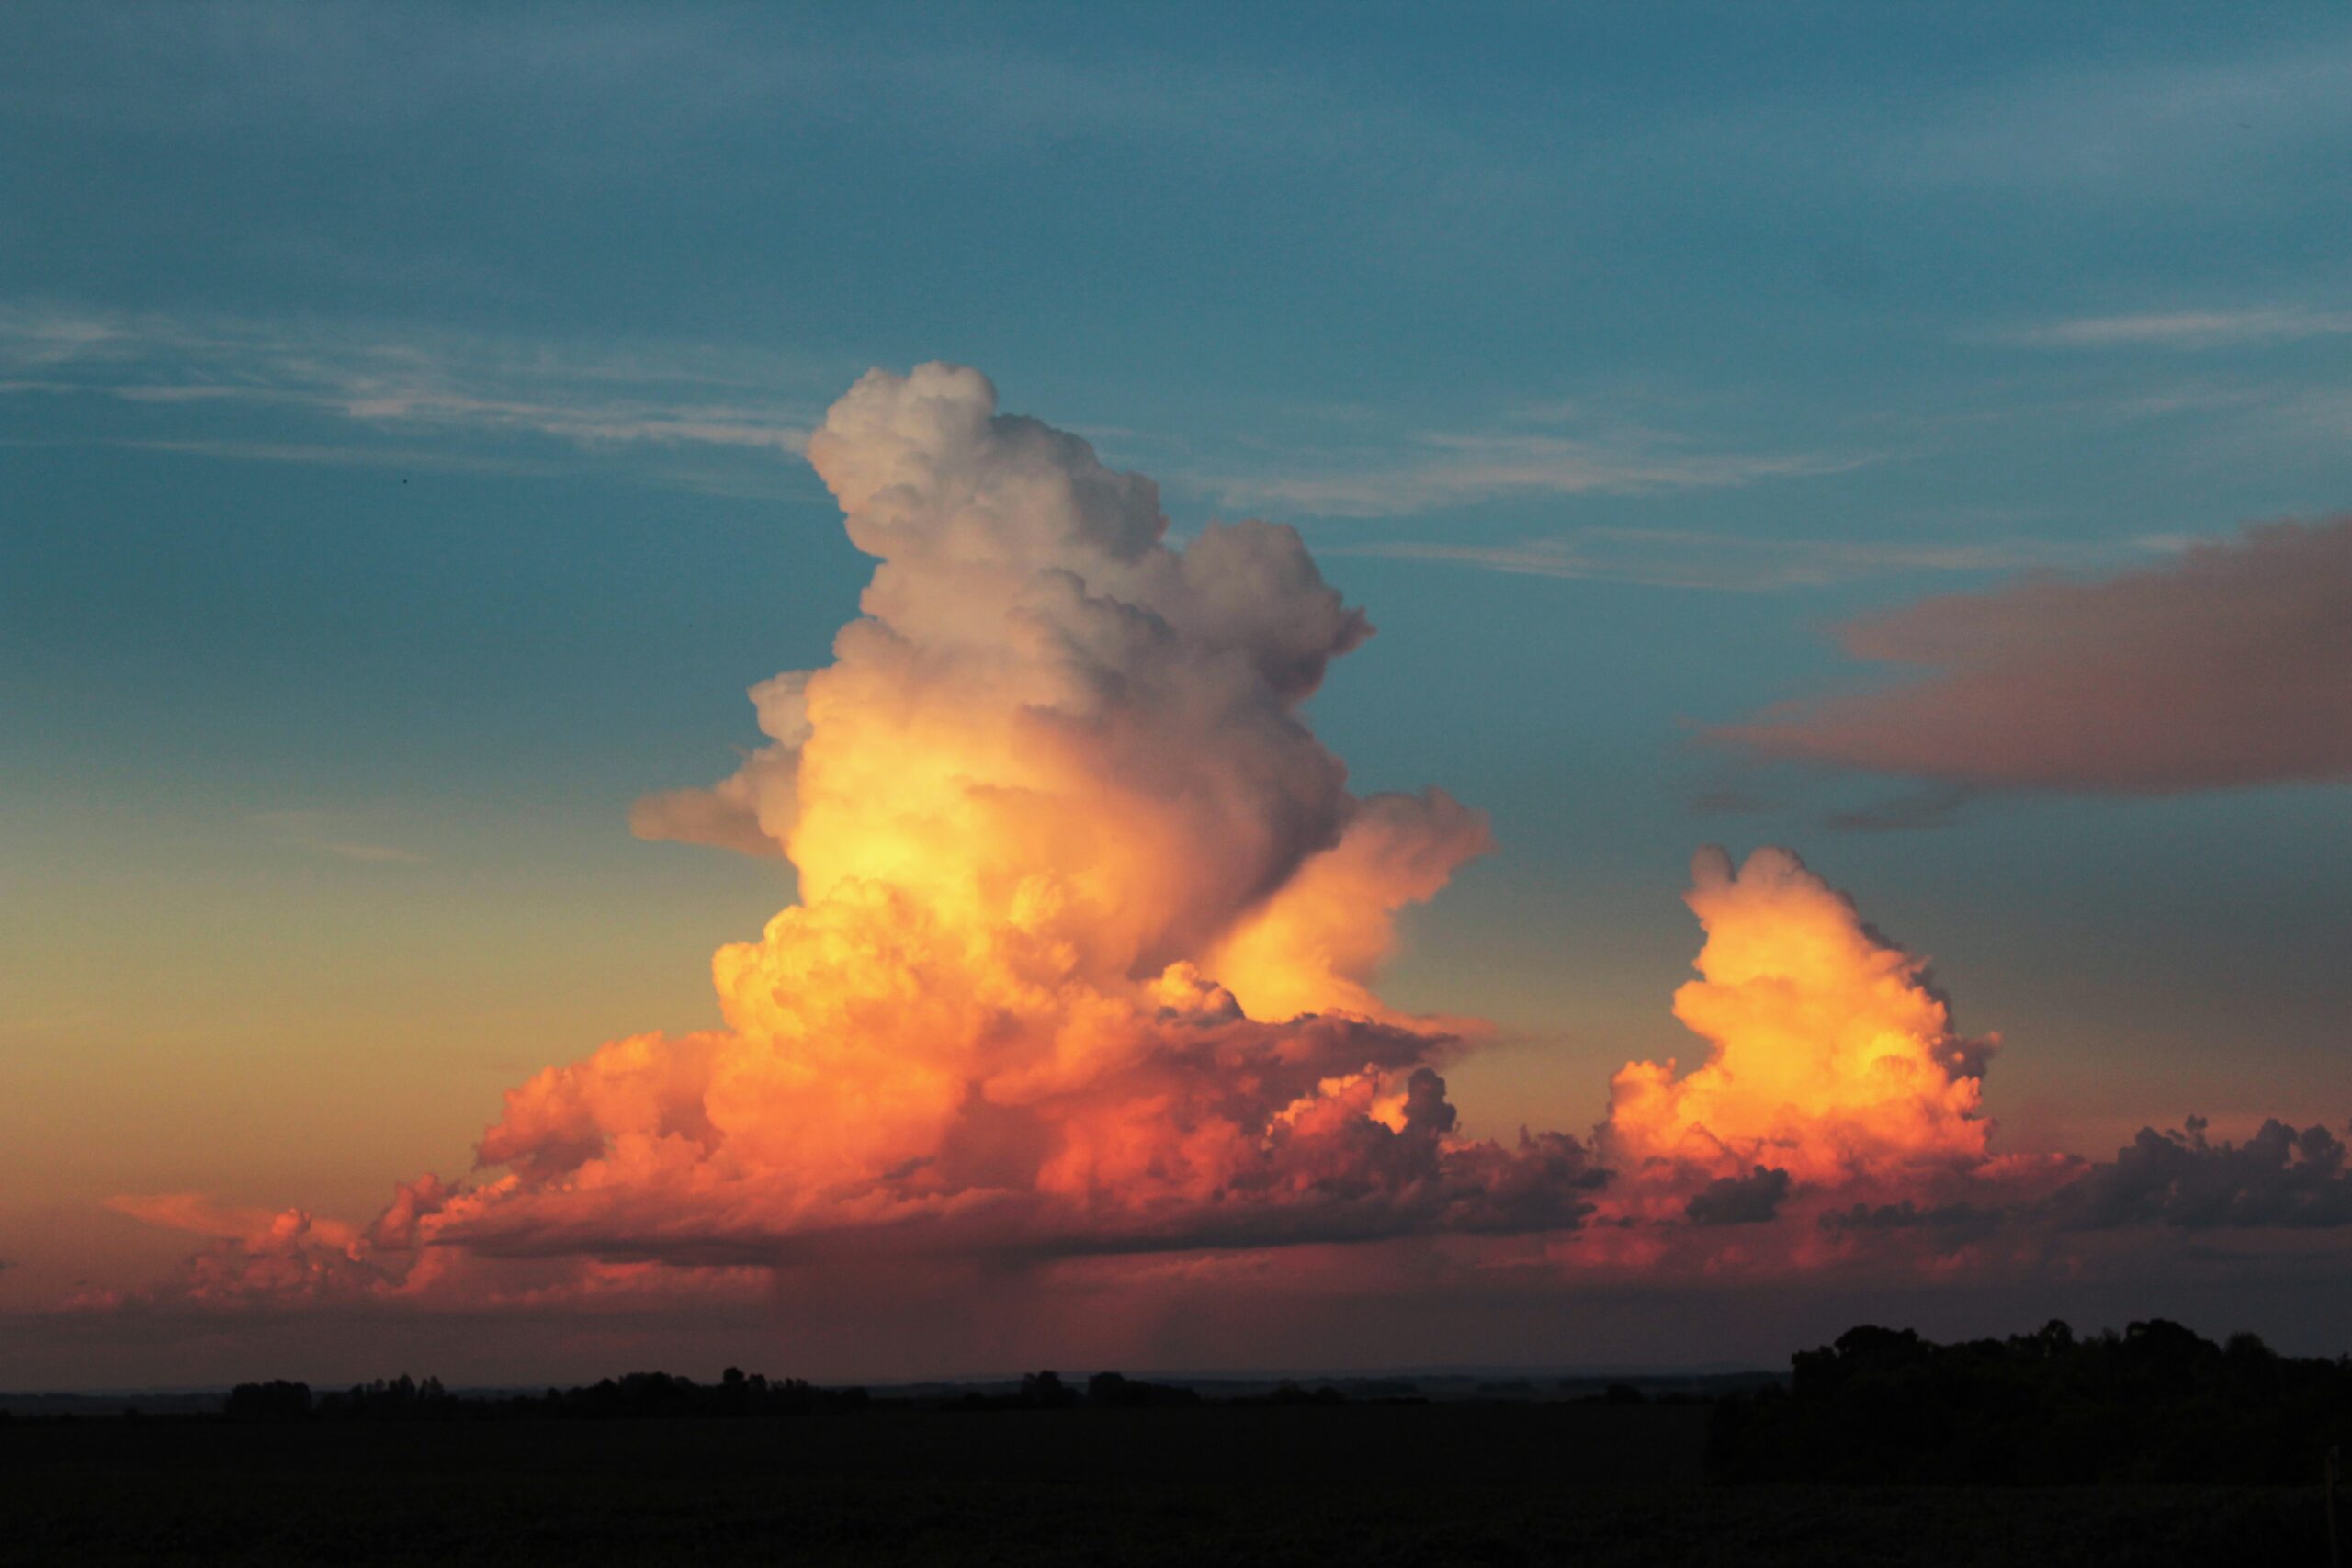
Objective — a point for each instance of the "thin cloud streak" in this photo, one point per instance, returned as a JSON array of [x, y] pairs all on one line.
[[437, 387], [321, 453], [316, 832], [2139, 129], [1718, 562], [2188, 328], [428, 385], [1443, 470]]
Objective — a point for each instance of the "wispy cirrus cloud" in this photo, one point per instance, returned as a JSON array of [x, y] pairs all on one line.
[[2137, 128], [313, 453], [1437, 471], [420, 385], [2188, 328], [1681, 558], [327, 833]]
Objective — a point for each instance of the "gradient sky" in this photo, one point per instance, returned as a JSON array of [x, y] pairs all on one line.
[[400, 415]]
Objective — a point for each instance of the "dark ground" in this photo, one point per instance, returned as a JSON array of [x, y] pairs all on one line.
[[1361, 1484]]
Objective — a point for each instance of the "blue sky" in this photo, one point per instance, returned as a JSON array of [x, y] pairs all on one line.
[[399, 412]]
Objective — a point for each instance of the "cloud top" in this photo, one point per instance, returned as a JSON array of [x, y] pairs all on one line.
[[1088, 914], [1831, 1057], [1082, 974]]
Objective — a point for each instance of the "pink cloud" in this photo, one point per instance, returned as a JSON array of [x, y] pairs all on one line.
[[1081, 982], [2230, 665]]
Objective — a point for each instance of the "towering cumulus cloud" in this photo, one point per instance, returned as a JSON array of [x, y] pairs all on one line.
[[1087, 911], [1081, 968], [1832, 1058]]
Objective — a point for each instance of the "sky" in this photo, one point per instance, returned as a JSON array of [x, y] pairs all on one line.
[[1914, 439]]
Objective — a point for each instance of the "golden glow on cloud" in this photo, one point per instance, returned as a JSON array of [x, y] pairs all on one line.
[[1831, 1057], [1083, 966], [1070, 865]]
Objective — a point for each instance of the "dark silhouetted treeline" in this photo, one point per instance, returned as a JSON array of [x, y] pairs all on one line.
[[1046, 1390], [639, 1395], [274, 1400], [2155, 1403], [658, 1394]]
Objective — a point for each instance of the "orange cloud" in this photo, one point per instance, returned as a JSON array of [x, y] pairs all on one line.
[[1088, 915], [1083, 968], [1830, 1056]]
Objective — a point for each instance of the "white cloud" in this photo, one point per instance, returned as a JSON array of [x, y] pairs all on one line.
[[1436, 470], [418, 385], [2139, 129], [1691, 558], [2189, 329]]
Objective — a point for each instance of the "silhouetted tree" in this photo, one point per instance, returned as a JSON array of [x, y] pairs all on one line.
[[2155, 1404], [276, 1400], [399, 1398], [1045, 1391], [1290, 1393], [1111, 1390]]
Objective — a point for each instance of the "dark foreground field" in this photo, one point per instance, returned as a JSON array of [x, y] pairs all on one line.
[[1582, 1484]]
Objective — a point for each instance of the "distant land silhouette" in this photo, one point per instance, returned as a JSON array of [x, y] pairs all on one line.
[[2153, 1403], [2148, 1445]]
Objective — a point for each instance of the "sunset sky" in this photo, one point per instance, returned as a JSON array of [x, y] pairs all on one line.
[[1919, 442]]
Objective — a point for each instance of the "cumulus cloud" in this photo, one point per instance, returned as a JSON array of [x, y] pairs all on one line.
[[753, 809], [1083, 968], [2281, 1175], [281, 1257], [1088, 915], [1831, 1057], [2230, 665]]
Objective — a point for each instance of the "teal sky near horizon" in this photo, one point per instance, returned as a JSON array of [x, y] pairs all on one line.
[[398, 475]]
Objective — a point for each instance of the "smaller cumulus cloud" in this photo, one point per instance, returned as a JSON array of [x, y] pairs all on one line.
[[1831, 1059], [2228, 665], [2281, 1175], [1084, 964], [253, 1256]]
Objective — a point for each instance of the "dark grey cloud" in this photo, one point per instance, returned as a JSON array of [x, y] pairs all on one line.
[[1746, 1200], [1956, 1218], [1930, 807], [2280, 1177]]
